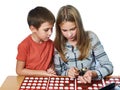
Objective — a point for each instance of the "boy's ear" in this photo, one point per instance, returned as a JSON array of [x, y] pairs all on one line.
[[32, 28]]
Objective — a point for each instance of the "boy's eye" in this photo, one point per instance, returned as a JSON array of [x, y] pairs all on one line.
[[46, 29]]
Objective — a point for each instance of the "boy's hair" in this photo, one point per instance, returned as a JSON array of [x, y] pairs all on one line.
[[39, 15]]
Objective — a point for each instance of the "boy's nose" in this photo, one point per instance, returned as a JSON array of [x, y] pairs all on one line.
[[50, 32]]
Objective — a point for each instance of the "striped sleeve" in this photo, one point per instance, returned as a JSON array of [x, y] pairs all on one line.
[[105, 66]]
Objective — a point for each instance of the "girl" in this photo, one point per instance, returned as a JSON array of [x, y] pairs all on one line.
[[78, 53]]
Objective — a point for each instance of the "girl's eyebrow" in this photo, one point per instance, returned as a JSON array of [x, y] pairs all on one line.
[[73, 28], [64, 29], [70, 28]]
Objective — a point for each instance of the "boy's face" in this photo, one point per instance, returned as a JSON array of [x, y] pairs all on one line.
[[44, 32]]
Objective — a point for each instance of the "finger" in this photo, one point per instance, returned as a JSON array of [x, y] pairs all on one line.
[[87, 79], [72, 76], [71, 73], [82, 79], [76, 70], [51, 72], [52, 75]]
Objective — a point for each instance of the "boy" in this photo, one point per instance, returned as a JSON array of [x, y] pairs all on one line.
[[35, 52]]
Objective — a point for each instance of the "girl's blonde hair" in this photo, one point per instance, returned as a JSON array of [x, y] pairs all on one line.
[[70, 13]]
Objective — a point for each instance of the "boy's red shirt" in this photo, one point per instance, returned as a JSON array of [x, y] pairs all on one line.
[[36, 56]]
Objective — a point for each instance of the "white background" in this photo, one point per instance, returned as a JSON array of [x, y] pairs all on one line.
[[100, 16]]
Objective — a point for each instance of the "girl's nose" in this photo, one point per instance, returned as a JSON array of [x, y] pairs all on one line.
[[69, 33]]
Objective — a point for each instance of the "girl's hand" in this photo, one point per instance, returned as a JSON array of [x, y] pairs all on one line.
[[86, 78], [73, 72]]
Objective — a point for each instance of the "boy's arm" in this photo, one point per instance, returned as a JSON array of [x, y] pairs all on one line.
[[51, 68], [21, 70]]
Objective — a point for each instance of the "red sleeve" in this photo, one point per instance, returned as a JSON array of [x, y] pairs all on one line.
[[22, 51]]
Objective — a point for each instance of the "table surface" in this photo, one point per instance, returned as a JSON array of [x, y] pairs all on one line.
[[12, 83]]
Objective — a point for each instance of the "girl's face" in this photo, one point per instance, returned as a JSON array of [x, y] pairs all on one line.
[[69, 30]]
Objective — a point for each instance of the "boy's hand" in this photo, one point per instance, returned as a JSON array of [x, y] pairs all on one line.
[[51, 71]]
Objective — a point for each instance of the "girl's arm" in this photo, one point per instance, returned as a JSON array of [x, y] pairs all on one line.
[[104, 66]]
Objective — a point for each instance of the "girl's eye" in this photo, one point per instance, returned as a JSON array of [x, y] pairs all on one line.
[[64, 30], [72, 29]]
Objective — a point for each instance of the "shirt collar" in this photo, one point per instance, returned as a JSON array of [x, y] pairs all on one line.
[[70, 47]]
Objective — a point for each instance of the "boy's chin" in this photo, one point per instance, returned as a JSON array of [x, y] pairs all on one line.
[[45, 40]]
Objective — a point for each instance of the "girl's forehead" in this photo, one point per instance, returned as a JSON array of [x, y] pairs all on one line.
[[67, 23]]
